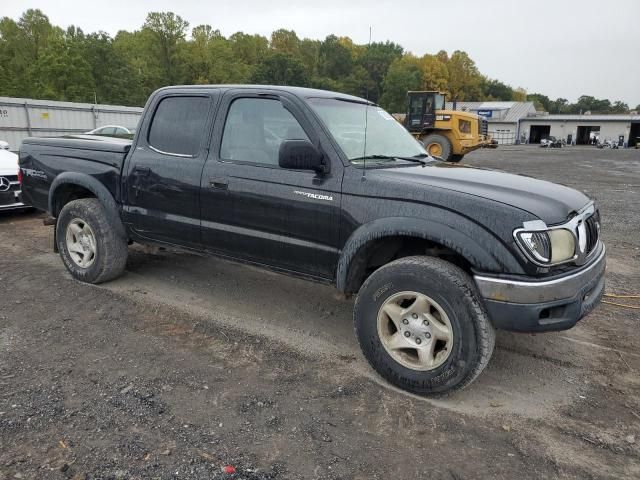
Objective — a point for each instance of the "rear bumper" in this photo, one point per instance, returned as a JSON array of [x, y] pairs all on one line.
[[537, 306]]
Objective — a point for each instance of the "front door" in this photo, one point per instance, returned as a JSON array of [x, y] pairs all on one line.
[[162, 187], [256, 211]]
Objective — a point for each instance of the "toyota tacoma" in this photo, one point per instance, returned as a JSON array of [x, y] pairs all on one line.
[[329, 187]]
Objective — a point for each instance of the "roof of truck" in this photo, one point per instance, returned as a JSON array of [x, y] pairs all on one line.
[[301, 92]]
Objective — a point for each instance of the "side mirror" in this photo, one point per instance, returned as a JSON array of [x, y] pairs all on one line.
[[301, 155]]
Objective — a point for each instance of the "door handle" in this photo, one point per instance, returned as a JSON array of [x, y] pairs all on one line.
[[219, 183], [142, 169]]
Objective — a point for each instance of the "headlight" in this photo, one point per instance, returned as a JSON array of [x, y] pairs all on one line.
[[548, 247]]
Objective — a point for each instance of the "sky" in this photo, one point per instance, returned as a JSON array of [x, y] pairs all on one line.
[[561, 48]]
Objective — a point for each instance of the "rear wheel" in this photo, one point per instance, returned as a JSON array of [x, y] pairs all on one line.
[[438, 146], [422, 327], [89, 247]]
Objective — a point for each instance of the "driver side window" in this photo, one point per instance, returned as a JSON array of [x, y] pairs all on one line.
[[254, 130]]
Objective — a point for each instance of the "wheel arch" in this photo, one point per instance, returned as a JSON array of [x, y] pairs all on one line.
[[70, 186], [461, 247]]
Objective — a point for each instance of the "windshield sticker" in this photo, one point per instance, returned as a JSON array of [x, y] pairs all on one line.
[[385, 115]]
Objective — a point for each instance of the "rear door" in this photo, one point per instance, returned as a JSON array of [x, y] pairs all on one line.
[[256, 211], [162, 178]]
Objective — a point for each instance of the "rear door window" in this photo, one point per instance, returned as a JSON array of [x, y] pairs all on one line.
[[178, 125]]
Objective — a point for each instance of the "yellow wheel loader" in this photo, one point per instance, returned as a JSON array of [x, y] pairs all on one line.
[[448, 134]]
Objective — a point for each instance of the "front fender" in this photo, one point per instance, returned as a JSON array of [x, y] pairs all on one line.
[[482, 249], [93, 185]]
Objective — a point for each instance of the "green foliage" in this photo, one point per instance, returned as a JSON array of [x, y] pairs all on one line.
[[404, 74], [496, 90], [40, 60]]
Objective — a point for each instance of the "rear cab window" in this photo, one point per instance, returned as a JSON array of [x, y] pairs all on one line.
[[178, 124]]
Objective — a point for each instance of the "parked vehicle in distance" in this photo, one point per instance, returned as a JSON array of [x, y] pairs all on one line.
[[608, 143], [4, 145], [112, 131], [10, 196], [551, 142], [329, 187]]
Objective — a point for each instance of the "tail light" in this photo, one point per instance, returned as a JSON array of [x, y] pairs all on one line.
[[20, 176]]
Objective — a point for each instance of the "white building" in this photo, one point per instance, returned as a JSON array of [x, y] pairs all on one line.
[[582, 129], [502, 117]]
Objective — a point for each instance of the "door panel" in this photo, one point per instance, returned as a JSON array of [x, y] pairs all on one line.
[[254, 210], [163, 181]]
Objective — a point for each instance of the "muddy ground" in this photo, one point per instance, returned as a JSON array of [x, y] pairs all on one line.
[[188, 364]]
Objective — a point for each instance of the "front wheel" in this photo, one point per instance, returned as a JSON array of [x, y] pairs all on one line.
[[422, 327], [438, 146], [89, 246]]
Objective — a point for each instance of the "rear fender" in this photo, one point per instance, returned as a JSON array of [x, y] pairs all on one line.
[[94, 186]]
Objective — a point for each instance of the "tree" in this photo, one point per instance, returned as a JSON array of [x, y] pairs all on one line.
[[435, 75], [41, 60], [168, 31], [619, 107], [278, 68], [496, 90], [404, 74], [541, 102], [376, 60], [519, 95], [464, 79], [285, 41], [335, 60]]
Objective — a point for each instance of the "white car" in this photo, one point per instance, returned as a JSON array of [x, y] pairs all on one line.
[[111, 130], [9, 185]]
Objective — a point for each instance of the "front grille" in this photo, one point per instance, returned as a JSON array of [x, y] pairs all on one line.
[[593, 231], [14, 185]]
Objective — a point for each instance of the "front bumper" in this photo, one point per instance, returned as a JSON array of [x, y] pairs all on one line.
[[11, 200], [536, 306]]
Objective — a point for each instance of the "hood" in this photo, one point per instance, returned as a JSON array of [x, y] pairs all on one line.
[[8, 163], [548, 201]]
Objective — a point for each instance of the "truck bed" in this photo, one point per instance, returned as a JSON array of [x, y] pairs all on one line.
[[42, 159]]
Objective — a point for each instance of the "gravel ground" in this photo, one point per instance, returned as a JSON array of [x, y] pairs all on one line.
[[187, 365]]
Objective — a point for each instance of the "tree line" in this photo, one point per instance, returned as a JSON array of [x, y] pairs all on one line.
[[41, 60]]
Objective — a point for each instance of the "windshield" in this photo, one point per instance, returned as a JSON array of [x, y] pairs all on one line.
[[440, 101], [385, 136]]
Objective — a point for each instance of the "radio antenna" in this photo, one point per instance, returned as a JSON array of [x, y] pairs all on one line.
[[366, 110]]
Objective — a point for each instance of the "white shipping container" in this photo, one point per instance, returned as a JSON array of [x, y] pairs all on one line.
[[25, 117]]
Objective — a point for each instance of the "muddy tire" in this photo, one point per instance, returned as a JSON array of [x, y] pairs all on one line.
[[421, 325], [89, 246], [438, 146]]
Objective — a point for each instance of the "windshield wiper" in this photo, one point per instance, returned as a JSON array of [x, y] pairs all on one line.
[[420, 158]]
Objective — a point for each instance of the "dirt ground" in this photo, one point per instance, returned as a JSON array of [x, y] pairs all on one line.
[[189, 364]]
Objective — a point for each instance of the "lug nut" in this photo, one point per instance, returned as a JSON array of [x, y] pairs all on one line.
[[405, 321], [418, 341], [426, 322], [428, 335], [414, 315], [407, 334]]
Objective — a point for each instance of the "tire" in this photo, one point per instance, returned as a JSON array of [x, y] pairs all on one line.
[[456, 158], [453, 292], [91, 261], [440, 140]]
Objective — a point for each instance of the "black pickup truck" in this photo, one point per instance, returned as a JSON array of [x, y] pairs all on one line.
[[331, 188]]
